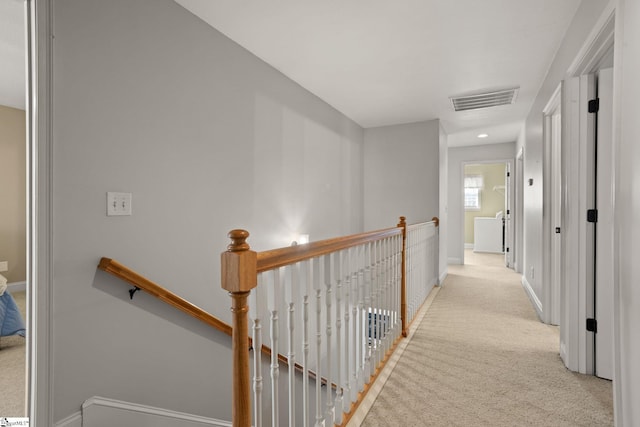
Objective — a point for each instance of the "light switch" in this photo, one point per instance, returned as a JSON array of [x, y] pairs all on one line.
[[118, 204], [4, 266]]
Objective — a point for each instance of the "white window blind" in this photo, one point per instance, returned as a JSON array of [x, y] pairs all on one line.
[[472, 187]]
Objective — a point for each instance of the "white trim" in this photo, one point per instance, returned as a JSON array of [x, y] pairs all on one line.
[[469, 245], [118, 405], [563, 353], [533, 297], [620, 225], [442, 278], [577, 296], [509, 163], [17, 287], [73, 420], [550, 295], [39, 194], [553, 104], [597, 43]]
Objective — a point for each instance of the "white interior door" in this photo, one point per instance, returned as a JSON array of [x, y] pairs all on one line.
[[508, 211], [556, 216], [604, 228]]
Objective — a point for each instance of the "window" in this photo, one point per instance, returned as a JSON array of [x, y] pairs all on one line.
[[472, 188]]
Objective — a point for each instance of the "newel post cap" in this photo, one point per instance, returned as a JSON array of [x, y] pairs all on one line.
[[238, 264]]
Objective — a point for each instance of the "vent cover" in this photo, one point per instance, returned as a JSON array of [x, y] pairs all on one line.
[[485, 99]]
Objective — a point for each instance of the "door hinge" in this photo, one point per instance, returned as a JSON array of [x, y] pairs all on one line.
[[508, 212], [507, 250], [592, 215], [557, 230], [594, 105], [592, 325], [508, 174]]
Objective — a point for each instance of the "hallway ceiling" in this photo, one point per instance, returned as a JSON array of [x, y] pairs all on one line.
[[378, 62], [383, 63]]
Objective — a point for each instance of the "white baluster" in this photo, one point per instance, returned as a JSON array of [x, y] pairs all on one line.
[[398, 282], [353, 333], [346, 358], [256, 312], [375, 284], [306, 287], [359, 310], [273, 303], [384, 285], [338, 258], [291, 297], [329, 414], [366, 314], [373, 328], [318, 291], [388, 295]]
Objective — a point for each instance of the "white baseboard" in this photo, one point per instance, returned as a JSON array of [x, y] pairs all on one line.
[[73, 420], [533, 297], [17, 287], [442, 277], [454, 261], [103, 412], [469, 245]]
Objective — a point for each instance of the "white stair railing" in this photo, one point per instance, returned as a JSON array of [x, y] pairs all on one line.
[[348, 293], [422, 263]]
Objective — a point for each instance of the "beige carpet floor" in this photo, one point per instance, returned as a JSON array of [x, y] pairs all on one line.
[[12, 369], [481, 357]]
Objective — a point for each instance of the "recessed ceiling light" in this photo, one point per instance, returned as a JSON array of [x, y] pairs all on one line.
[[483, 135]]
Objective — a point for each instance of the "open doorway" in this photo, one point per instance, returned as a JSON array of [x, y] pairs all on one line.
[[487, 199], [13, 215]]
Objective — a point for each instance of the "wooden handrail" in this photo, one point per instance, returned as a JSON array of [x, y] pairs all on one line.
[[403, 285], [271, 259], [125, 273], [240, 267], [435, 220]]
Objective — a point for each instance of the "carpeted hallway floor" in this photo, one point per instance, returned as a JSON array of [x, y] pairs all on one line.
[[480, 357], [12, 369]]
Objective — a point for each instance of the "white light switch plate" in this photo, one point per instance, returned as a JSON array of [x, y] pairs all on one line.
[[118, 204], [4, 266]]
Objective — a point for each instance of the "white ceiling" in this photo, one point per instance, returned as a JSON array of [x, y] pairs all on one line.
[[376, 61], [386, 62], [12, 53]]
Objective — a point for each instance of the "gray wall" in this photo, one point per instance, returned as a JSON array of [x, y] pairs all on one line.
[[13, 175], [148, 99], [458, 156], [444, 205], [401, 173], [586, 16]]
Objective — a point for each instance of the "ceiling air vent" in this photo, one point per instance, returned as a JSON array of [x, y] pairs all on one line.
[[485, 99]]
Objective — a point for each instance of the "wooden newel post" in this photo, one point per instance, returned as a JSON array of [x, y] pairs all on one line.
[[403, 282], [238, 268]]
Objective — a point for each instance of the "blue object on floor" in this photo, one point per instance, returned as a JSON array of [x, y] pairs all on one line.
[[11, 322]]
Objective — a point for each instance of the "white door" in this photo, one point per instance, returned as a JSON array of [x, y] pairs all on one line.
[[556, 215], [604, 228], [508, 211]]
